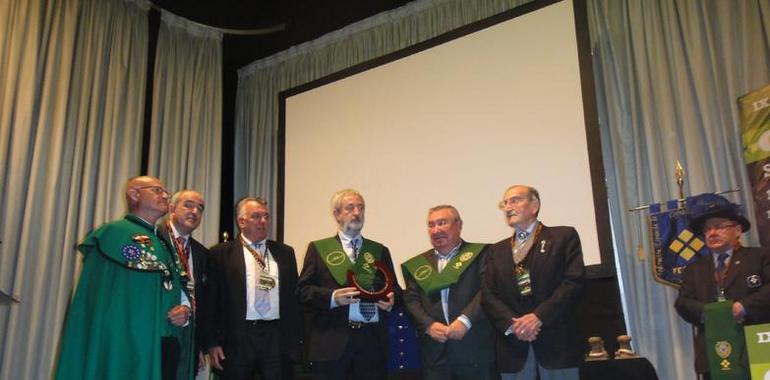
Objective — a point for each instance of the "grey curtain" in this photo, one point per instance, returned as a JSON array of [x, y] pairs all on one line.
[[72, 77], [186, 138], [667, 75]]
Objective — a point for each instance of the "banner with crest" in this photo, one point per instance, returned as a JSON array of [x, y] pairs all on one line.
[[674, 245]]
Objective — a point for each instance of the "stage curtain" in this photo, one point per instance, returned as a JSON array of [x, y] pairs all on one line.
[[72, 83], [186, 138]]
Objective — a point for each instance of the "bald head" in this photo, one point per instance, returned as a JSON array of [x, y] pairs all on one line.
[[147, 197]]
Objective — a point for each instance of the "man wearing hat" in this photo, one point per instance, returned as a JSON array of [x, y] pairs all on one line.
[[732, 273]]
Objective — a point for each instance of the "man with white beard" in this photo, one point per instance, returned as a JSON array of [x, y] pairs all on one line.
[[348, 335]]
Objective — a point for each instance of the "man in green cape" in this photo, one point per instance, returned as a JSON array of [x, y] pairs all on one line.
[[126, 317]]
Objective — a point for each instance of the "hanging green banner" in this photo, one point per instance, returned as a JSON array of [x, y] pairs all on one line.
[[755, 125], [758, 345], [724, 342]]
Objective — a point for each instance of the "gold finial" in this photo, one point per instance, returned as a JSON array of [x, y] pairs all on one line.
[[225, 237], [679, 173]]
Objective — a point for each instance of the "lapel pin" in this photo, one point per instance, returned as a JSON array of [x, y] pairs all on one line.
[[542, 246]]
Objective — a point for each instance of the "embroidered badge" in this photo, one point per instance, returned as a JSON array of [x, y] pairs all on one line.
[[466, 256], [131, 252], [422, 272], [142, 239], [335, 258], [753, 281]]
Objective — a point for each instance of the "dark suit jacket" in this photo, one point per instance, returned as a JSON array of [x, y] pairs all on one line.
[[557, 273], [329, 327], [226, 306], [699, 288], [199, 255], [464, 298]]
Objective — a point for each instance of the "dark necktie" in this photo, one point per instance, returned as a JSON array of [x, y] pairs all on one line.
[[354, 247], [367, 309], [722, 266]]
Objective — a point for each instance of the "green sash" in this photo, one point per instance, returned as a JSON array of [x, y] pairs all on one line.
[[724, 342], [431, 280], [338, 263]]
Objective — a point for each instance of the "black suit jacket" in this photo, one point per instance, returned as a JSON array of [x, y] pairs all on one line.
[[329, 330], [199, 255], [226, 297], [464, 299], [557, 274], [699, 288]]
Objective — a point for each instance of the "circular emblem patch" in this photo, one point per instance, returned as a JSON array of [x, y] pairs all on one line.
[[369, 258], [131, 252], [466, 256], [335, 258], [723, 349], [422, 272]]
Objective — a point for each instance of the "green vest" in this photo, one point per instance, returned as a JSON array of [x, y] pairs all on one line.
[[338, 262], [430, 279]]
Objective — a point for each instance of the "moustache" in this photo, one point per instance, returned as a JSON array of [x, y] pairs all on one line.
[[439, 235]]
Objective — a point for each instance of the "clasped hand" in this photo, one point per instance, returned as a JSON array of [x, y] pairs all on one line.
[[527, 327]]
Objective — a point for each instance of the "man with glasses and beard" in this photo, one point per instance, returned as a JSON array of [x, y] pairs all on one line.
[[120, 324], [732, 273], [348, 336], [532, 283]]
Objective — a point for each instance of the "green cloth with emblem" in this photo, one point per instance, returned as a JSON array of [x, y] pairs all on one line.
[[430, 279], [758, 346], [338, 262], [724, 342], [117, 317]]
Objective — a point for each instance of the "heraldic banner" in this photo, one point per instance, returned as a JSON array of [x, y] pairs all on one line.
[[674, 245], [724, 342], [758, 345], [755, 126]]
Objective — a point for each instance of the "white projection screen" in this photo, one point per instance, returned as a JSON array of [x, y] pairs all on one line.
[[455, 121]]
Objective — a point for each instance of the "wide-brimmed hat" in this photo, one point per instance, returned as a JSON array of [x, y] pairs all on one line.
[[709, 205]]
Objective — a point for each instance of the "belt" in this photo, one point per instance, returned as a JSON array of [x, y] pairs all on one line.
[[355, 325], [261, 322]]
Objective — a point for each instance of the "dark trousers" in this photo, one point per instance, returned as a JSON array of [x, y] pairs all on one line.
[[169, 357], [364, 359], [256, 354], [446, 369]]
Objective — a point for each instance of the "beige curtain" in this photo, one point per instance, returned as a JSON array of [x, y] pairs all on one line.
[[72, 77], [186, 138]]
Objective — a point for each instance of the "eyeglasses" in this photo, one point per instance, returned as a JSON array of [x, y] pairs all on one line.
[[153, 189], [512, 201], [719, 227]]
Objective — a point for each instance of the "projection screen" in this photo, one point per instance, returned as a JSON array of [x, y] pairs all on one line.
[[454, 121]]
